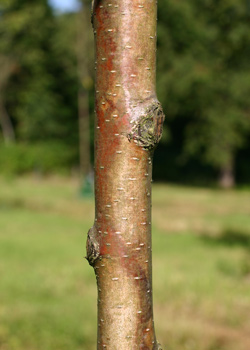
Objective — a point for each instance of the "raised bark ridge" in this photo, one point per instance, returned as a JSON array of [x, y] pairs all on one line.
[[128, 126]]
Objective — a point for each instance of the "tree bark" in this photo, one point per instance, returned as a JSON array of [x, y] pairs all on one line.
[[226, 177], [7, 67], [129, 122], [6, 124]]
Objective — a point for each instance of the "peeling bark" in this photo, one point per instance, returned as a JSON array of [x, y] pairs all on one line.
[[129, 122]]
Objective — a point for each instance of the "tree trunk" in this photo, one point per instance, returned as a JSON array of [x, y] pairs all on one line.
[[84, 141], [129, 122], [226, 177], [6, 69], [6, 124]]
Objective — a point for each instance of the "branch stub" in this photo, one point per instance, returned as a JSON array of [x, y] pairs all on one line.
[[92, 247], [147, 129]]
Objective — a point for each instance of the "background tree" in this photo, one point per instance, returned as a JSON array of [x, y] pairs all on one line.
[[85, 60], [41, 94], [5, 120], [203, 83], [26, 45], [206, 78]]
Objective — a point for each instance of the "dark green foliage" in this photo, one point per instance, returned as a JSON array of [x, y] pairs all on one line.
[[41, 94], [204, 79], [203, 82], [38, 158]]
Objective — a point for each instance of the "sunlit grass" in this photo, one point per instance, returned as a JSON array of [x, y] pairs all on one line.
[[201, 273]]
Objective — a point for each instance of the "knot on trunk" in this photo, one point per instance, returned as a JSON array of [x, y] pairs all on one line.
[[92, 247], [147, 126]]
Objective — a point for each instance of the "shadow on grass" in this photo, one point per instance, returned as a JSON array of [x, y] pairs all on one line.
[[15, 203], [239, 268], [9, 204], [229, 237]]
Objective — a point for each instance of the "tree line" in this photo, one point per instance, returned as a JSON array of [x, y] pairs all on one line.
[[203, 82]]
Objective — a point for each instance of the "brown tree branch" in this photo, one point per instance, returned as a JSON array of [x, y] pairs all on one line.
[[129, 122]]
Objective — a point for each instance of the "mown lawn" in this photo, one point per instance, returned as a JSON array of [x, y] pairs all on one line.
[[201, 273]]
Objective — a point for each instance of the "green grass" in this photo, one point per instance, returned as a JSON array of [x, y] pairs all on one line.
[[201, 271]]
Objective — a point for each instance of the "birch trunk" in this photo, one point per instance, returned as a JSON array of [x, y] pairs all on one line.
[[129, 122]]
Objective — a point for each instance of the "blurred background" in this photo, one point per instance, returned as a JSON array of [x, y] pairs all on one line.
[[201, 189]]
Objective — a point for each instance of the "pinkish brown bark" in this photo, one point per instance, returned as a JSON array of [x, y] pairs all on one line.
[[129, 122]]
